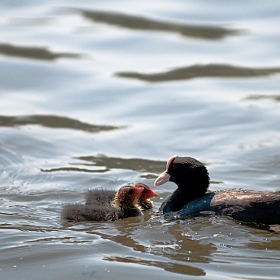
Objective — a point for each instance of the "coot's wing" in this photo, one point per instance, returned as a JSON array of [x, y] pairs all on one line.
[[192, 208], [268, 201]]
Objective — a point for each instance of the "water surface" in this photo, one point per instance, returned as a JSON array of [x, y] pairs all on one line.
[[102, 94]]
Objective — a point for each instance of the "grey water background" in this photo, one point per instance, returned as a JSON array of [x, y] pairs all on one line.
[[101, 94]]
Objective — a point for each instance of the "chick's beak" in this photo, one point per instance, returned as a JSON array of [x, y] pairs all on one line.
[[162, 178], [148, 193]]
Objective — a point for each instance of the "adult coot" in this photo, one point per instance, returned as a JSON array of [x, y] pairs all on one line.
[[190, 197]]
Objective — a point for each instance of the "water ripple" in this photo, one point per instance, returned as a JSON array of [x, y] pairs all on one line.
[[53, 122], [135, 164], [142, 23], [30, 52], [102, 163], [201, 71]]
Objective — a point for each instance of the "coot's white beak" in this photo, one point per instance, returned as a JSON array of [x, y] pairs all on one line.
[[162, 178]]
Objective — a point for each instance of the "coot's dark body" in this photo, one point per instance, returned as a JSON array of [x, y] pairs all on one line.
[[192, 179]]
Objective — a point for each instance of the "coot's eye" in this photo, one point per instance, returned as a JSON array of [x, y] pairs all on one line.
[[174, 167]]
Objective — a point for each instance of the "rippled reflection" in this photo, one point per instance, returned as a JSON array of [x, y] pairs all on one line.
[[53, 122], [33, 52], [156, 244], [168, 266], [143, 23], [202, 71], [103, 163], [135, 164], [261, 97]]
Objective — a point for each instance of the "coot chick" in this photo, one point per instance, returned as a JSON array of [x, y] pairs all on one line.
[[192, 180], [105, 197], [99, 196], [124, 204], [144, 200]]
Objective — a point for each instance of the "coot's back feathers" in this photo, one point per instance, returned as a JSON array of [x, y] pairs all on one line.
[[248, 205]]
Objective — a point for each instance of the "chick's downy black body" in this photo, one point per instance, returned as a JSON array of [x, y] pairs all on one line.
[[124, 204], [192, 180], [99, 196], [82, 212]]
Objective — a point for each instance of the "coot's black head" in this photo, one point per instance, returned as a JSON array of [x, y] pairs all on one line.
[[187, 173]]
